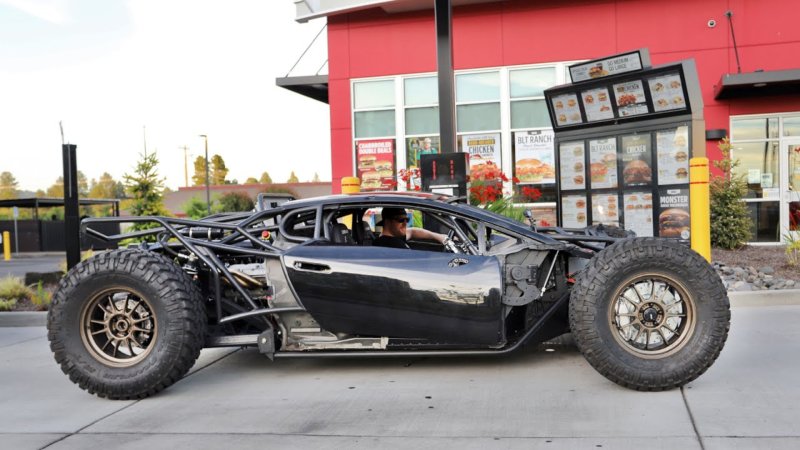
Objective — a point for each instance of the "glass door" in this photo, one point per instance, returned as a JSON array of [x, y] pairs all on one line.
[[790, 187]]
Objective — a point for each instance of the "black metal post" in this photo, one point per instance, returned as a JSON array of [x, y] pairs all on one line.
[[72, 239], [444, 63]]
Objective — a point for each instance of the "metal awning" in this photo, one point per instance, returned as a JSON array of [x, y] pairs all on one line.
[[758, 84], [314, 86]]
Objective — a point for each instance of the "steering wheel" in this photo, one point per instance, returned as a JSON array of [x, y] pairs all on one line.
[[449, 244]]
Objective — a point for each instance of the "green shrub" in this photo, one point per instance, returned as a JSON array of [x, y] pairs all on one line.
[[7, 305], [792, 250], [730, 217], [12, 288], [235, 202], [41, 297]]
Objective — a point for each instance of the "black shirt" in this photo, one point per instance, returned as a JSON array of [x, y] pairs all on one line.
[[390, 241]]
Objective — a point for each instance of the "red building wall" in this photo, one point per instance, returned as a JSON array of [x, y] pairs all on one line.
[[372, 43]]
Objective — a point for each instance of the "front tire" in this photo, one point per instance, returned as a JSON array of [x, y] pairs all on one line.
[[649, 314], [126, 324]]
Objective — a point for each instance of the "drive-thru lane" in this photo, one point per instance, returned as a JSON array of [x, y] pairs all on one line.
[[532, 399]]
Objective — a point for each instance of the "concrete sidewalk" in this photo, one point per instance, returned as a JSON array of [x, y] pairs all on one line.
[[531, 399]]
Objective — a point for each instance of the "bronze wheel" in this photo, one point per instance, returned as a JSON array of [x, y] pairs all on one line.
[[653, 315], [118, 327]]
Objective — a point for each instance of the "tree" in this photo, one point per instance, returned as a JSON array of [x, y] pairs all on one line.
[[199, 177], [250, 180], [265, 178], [145, 188], [730, 217], [293, 178], [56, 190], [8, 186], [316, 178], [235, 202], [195, 208], [106, 187], [218, 170]]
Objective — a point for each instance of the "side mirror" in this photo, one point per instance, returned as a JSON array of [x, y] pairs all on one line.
[[529, 215]]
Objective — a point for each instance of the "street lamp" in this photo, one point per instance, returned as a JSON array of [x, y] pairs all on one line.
[[208, 192]]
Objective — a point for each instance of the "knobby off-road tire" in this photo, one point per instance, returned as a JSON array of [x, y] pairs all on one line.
[[649, 314], [126, 324]]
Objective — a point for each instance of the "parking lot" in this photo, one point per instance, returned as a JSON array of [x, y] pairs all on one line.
[[537, 398]]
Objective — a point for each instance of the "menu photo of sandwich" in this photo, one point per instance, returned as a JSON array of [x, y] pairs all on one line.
[[532, 170]]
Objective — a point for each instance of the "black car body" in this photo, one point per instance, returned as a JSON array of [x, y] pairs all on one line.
[[303, 279]]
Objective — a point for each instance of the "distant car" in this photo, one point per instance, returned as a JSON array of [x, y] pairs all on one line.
[[303, 279]]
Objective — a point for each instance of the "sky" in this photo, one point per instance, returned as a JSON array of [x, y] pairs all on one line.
[[122, 74]]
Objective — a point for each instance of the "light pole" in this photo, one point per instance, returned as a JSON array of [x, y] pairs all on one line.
[[208, 192]]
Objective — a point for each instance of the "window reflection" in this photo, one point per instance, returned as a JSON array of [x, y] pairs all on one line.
[[478, 87], [766, 226], [761, 128], [758, 165]]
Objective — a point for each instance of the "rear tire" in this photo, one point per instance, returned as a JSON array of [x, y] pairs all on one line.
[[649, 314], [126, 324]]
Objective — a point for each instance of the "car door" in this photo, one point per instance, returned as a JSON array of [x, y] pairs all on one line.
[[399, 293]]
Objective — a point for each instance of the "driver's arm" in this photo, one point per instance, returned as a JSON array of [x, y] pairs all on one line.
[[421, 233]]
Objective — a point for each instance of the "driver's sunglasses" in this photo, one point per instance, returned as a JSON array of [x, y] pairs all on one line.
[[401, 219]]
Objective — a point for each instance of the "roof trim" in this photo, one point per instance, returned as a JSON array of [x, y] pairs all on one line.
[[314, 9], [757, 84], [315, 86]]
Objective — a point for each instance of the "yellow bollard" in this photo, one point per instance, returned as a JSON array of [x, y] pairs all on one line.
[[351, 185], [6, 246], [700, 205]]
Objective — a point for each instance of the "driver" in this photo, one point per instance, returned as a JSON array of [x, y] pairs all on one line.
[[396, 233]]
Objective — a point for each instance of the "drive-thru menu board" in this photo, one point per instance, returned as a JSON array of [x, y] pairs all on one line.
[[623, 146], [650, 93]]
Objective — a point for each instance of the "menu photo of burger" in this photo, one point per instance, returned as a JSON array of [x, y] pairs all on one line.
[[637, 172], [370, 180], [674, 223], [366, 162]]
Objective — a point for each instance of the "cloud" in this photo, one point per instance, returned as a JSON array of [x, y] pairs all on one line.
[[53, 11]]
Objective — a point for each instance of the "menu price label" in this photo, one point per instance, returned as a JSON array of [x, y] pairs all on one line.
[[614, 65], [573, 172], [667, 92], [573, 211], [597, 104], [638, 212], [673, 155], [567, 111], [674, 220], [604, 209], [603, 163]]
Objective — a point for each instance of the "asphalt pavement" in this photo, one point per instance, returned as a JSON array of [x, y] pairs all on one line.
[[540, 398], [22, 263]]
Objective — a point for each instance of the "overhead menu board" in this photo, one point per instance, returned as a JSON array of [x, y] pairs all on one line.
[[614, 65], [645, 92]]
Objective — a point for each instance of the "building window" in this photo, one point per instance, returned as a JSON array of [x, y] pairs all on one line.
[[373, 109], [478, 101], [765, 148], [374, 133]]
